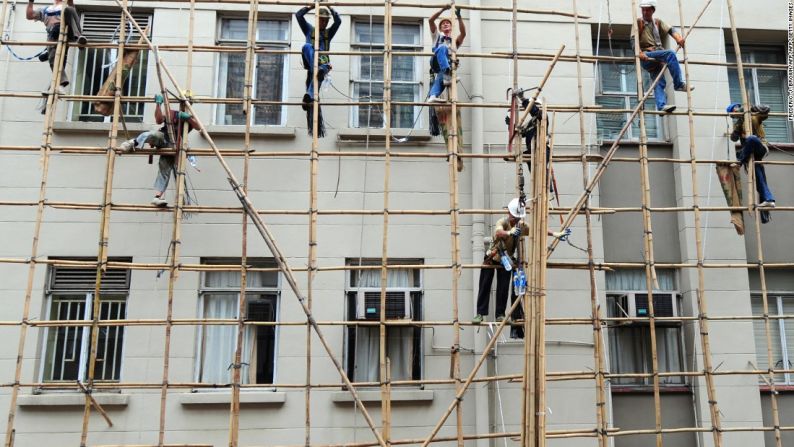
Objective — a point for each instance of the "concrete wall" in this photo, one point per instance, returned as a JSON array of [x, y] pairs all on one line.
[[636, 412], [277, 417]]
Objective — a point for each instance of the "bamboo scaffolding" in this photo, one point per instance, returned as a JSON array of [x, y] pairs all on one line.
[[267, 236], [49, 118]]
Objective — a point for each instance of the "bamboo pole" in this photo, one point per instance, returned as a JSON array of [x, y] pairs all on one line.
[[700, 297], [270, 242], [104, 239], [49, 119], [249, 113], [599, 351], [95, 404], [383, 359]]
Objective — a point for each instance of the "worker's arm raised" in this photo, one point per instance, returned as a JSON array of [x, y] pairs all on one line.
[[302, 23], [30, 13], [461, 27], [432, 19], [70, 3]]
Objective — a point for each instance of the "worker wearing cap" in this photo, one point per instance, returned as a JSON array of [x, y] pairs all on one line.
[[653, 54], [506, 235], [442, 49], [755, 145], [326, 35]]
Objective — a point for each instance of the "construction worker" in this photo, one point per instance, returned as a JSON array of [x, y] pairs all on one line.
[[52, 16], [442, 50], [754, 145], [161, 139], [653, 54], [326, 35], [500, 257]]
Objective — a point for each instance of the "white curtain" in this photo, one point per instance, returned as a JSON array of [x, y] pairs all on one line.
[[231, 280], [634, 280], [399, 347], [395, 278], [218, 340]]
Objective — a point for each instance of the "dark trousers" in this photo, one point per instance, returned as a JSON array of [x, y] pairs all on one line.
[[502, 287], [72, 20], [753, 146], [307, 55]]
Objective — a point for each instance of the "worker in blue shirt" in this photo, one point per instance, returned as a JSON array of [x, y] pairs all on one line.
[[326, 35]]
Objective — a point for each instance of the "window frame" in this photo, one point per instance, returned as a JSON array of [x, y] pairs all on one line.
[[417, 302], [751, 51], [73, 111], [273, 291], [780, 332], [624, 50], [221, 70], [645, 348], [355, 69], [50, 292]]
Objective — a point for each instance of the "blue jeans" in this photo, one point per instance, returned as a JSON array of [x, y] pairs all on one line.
[[441, 55], [307, 53], [668, 57], [753, 146]]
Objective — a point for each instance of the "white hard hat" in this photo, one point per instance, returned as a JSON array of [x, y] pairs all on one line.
[[648, 4], [516, 209]]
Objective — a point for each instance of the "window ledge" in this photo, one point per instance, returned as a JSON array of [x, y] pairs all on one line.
[[99, 128], [72, 400], [646, 389], [778, 388], [256, 131], [361, 134], [417, 396], [225, 398], [606, 144]]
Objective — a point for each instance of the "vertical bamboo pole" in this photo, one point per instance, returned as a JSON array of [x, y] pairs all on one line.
[[701, 289], [542, 218], [46, 150], [748, 129], [3, 19], [250, 114], [453, 162], [384, 361], [314, 166], [602, 418], [648, 255], [104, 234]]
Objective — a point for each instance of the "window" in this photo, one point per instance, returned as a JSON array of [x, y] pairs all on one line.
[[630, 342], [781, 332], [269, 77], [403, 343], [70, 296], [617, 89], [94, 65], [217, 344], [763, 87], [367, 74]]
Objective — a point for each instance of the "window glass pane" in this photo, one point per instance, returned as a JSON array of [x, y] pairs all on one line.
[[403, 68], [609, 124], [269, 86], [371, 68], [218, 341], [369, 116], [611, 77], [651, 120], [759, 331], [369, 33], [231, 280], [259, 341], [272, 30], [403, 116], [234, 29], [403, 34], [626, 353], [231, 78], [788, 330], [399, 344], [110, 340], [634, 280], [668, 353]]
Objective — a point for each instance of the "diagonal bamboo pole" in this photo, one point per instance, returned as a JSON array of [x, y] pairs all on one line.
[[269, 241], [46, 148]]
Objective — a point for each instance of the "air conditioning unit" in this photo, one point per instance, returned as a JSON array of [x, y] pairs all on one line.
[[398, 305], [664, 305]]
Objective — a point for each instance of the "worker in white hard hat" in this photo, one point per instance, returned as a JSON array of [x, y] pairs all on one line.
[[500, 259], [506, 235], [653, 53]]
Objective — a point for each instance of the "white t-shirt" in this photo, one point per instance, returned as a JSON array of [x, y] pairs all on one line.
[[51, 15], [440, 38]]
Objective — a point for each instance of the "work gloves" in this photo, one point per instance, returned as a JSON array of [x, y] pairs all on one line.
[[516, 232], [158, 99], [184, 116], [562, 235], [457, 12]]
